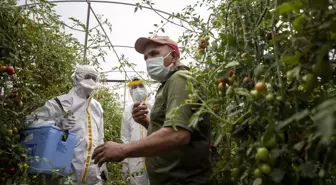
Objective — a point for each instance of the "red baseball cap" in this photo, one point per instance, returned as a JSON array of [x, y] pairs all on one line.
[[142, 42]]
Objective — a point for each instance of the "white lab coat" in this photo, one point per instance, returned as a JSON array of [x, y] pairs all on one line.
[[130, 132], [84, 109]]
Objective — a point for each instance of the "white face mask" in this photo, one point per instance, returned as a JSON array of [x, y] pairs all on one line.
[[138, 94], [156, 69], [88, 86]]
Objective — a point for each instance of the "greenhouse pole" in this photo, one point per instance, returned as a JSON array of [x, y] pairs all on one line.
[[87, 27]]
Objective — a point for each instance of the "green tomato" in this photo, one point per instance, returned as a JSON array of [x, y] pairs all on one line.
[[279, 98], [255, 94], [235, 173], [309, 81], [290, 75], [262, 154], [265, 169], [15, 130], [257, 173], [270, 143], [270, 97], [10, 132]]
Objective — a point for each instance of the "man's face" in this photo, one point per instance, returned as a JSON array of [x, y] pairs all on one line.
[[154, 50]]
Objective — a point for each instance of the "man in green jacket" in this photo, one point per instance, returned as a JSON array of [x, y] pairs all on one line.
[[175, 153]]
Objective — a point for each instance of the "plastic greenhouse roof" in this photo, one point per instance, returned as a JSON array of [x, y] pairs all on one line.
[[127, 26]]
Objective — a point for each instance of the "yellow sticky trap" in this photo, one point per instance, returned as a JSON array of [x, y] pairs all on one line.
[[144, 101], [136, 82]]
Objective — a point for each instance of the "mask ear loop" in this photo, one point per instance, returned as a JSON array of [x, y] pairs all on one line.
[[167, 55], [171, 64]]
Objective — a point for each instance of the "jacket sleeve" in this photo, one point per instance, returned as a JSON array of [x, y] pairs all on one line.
[[45, 115]]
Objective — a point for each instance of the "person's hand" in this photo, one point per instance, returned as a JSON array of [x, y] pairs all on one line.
[[108, 152], [68, 122], [139, 114]]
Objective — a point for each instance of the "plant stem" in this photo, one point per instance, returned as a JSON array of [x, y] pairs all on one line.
[[210, 111], [241, 117], [276, 49]]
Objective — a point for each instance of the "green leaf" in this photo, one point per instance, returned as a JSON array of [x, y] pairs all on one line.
[[263, 23], [232, 64], [296, 117], [243, 92], [323, 51], [259, 70], [253, 120], [223, 74], [229, 39], [298, 23], [298, 146], [288, 7], [195, 118], [219, 139], [257, 181], [277, 175], [308, 169], [318, 4], [249, 150], [278, 152], [292, 60], [326, 127], [37, 158]]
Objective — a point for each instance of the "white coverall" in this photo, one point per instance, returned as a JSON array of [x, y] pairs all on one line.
[[88, 115], [132, 131]]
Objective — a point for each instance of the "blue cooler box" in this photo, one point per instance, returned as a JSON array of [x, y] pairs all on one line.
[[47, 142]]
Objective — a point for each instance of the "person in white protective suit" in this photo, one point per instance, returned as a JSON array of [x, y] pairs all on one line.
[[134, 168], [86, 120]]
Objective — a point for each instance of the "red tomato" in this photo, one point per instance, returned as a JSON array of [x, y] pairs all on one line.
[[10, 70], [245, 80], [230, 72], [260, 86], [12, 170], [221, 87]]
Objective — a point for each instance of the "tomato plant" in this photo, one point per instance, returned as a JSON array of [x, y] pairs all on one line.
[[288, 46], [37, 59]]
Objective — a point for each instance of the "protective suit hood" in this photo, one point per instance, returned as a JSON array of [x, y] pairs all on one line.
[[86, 80], [139, 93]]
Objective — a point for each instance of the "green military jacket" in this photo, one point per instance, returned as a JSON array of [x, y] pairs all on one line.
[[189, 165]]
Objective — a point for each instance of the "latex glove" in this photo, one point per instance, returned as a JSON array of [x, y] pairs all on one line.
[[68, 122]]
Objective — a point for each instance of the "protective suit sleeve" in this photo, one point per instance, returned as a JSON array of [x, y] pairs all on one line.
[[125, 126], [45, 115], [101, 131], [125, 137]]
